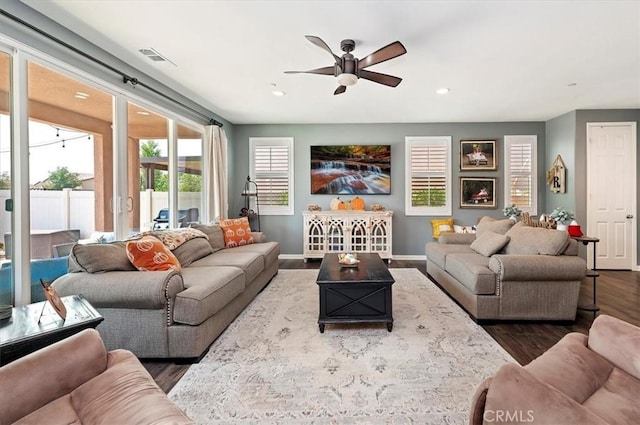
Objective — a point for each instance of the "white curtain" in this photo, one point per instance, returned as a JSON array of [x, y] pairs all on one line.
[[217, 157]]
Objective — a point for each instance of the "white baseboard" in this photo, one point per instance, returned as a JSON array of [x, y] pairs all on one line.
[[395, 257]]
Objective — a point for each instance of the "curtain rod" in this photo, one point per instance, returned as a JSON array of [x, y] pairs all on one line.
[[125, 78]]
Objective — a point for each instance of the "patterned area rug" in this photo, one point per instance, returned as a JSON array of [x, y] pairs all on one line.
[[273, 366]]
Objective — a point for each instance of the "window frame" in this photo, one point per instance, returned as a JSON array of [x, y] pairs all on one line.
[[532, 140], [255, 142], [445, 210]]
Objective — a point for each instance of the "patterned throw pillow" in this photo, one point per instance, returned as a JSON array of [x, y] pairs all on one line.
[[236, 232], [173, 238], [150, 254], [441, 225]]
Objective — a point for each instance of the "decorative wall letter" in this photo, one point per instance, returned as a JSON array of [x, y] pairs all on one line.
[[556, 176]]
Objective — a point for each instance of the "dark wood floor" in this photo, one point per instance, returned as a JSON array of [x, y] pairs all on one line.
[[618, 295]]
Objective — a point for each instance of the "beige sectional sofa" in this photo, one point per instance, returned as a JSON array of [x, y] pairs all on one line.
[[76, 381], [170, 314], [581, 380], [508, 271]]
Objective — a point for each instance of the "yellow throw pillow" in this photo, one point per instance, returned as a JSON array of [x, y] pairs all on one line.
[[150, 254], [441, 225], [236, 232]]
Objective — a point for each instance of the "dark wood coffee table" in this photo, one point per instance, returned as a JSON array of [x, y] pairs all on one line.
[[21, 334], [355, 294]]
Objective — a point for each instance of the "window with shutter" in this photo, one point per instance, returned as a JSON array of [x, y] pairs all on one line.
[[521, 172], [272, 170], [428, 175]]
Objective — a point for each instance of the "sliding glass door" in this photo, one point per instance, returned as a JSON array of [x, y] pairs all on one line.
[[6, 278]]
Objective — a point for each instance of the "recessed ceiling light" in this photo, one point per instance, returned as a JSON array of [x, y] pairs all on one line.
[[276, 91], [143, 113], [80, 95], [443, 90]]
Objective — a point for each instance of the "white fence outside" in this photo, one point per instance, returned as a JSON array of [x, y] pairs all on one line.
[[74, 209]]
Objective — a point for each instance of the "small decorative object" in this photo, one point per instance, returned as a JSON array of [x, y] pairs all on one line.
[[556, 176], [5, 311], [348, 260], [574, 229], [377, 207], [476, 192], [357, 203], [544, 221], [478, 155], [54, 299], [562, 216], [313, 207], [512, 211], [337, 204]]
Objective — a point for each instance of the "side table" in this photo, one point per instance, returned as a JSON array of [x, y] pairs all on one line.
[[22, 333], [592, 273]]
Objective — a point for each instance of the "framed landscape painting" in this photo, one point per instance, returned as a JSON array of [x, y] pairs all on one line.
[[478, 155], [478, 192], [351, 169]]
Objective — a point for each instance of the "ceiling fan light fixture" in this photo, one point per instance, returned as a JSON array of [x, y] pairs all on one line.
[[347, 79]]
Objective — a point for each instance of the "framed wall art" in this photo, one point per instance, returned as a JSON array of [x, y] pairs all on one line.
[[351, 169], [478, 155], [478, 192]]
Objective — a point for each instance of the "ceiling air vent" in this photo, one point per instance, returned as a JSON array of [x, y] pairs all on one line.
[[155, 56]]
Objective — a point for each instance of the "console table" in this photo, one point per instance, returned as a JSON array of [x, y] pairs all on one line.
[[592, 273], [347, 231]]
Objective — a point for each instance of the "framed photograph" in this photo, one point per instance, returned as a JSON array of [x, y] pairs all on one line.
[[478, 155], [478, 192]]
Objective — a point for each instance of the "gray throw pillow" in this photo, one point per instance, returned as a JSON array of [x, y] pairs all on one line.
[[498, 226], [192, 250], [489, 242], [99, 257], [214, 232], [527, 240]]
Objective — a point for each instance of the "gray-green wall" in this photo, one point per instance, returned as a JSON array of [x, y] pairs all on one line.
[[409, 232], [561, 136]]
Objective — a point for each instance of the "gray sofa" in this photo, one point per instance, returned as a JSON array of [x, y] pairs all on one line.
[[508, 271], [170, 314]]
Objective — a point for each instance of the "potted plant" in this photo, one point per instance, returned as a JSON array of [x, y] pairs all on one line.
[[512, 212], [562, 217]]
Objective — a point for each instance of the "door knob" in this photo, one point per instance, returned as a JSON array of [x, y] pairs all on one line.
[[629, 215]]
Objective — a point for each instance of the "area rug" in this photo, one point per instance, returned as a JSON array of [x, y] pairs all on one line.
[[273, 366]]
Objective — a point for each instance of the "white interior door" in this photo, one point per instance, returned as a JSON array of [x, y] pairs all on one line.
[[611, 162]]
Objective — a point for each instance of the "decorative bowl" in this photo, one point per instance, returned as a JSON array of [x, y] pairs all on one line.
[[348, 260]]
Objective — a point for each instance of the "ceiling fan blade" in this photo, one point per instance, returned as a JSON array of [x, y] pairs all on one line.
[[340, 90], [318, 42], [389, 51], [376, 77], [327, 70]]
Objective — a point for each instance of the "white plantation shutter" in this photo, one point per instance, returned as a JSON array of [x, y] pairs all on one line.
[[521, 172], [272, 170], [428, 167]]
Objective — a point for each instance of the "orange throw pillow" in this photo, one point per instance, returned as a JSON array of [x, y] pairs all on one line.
[[150, 254], [237, 232]]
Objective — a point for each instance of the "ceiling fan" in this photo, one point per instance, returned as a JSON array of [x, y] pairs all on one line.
[[348, 69]]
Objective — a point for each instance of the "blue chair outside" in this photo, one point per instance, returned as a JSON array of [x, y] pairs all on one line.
[[47, 269]]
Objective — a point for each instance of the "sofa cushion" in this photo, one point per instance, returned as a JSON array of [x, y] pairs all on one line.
[[269, 250], [61, 409], [437, 252], [99, 257], [208, 289], [472, 271], [489, 223], [150, 254], [215, 234], [440, 225], [489, 242], [250, 262], [525, 240], [237, 232], [192, 250]]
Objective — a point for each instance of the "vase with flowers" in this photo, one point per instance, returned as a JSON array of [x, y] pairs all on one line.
[[562, 217], [512, 212]]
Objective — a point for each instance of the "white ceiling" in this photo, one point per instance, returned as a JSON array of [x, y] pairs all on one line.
[[503, 61]]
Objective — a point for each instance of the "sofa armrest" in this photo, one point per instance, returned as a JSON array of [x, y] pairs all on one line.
[[143, 290], [538, 267], [618, 342], [33, 381], [516, 394], [457, 238]]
